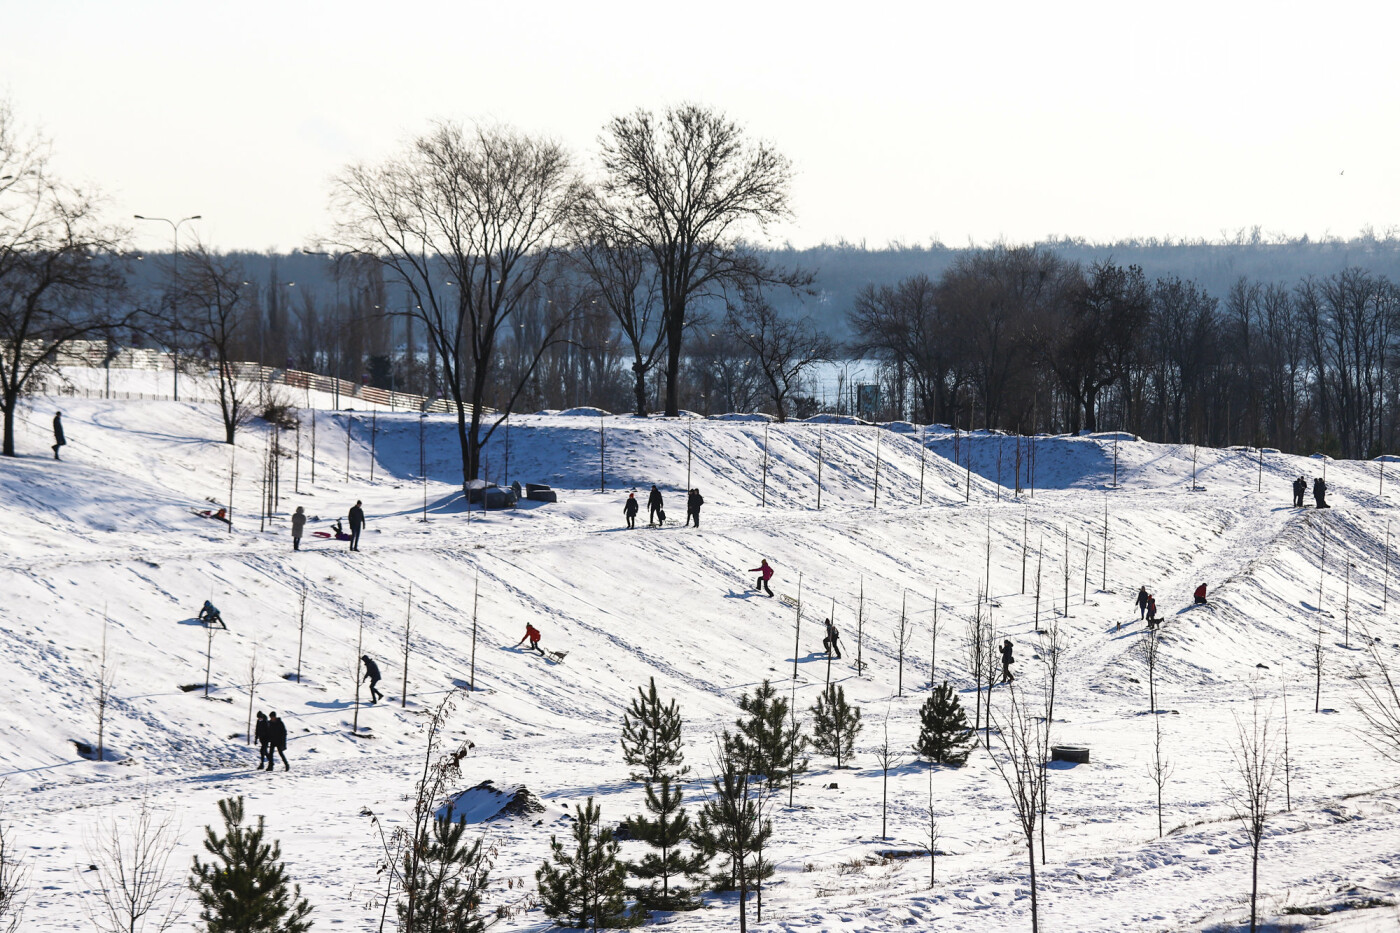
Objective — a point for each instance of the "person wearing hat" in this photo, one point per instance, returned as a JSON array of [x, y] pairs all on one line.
[[298, 526], [372, 675], [630, 508]]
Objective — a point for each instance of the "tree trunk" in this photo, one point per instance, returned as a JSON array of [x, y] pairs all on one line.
[[640, 386], [9, 448]]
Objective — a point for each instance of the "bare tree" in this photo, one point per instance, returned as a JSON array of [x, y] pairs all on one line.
[[1256, 770], [13, 875], [135, 891], [685, 188], [252, 690], [1151, 651], [472, 224], [1380, 705], [1160, 769], [933, 834], [1021, 763], [60, 268], [785, 346], [216, 303], [102, 689], [888, 756]]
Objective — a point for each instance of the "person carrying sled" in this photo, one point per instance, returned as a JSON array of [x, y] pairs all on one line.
[[357, 522], [832, 642], [765, 574], [209, 615], [1201, 595], [58, 439], [1142, 599], [1320, 493], [260, 735], [277, 741], [693, 501], [656, 515], [1006, 661], [372, 675], [630, 508], [298, 527], [1300, 489], [533, 634]]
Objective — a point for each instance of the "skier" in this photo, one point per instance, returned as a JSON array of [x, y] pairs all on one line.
[[693, 501], [630, 508], [654, 508], [357, 521], [277, 741], [1300, 489], [831, 643], [767, 574], [1320, 493], [261, 737], [372, 675], [1006, 661], [533, 634], [1201, 595], [298, 526], [1142, 599], [1152, 619], [58, 439], [209, 615]]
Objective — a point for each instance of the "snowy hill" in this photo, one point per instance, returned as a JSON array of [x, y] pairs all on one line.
[[110, 533]]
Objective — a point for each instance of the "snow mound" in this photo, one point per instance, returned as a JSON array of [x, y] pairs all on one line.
[[486, 802], [743, 416], [583, 412], [900, 427], [829, 418]]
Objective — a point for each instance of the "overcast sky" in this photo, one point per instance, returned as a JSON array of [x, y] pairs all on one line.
[[904, 122]]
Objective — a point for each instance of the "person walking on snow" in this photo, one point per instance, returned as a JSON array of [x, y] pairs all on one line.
[[693, 501], [277, 741], [1142, 599], [1152, 619], [372, 675], [533, 634], [1300, 489], [1320, 493], [357, 522], [298, 526], [58, 439], [1201, 595], [766, 575], [630, 508], [832, 641], [1006, 661], [654, 508], [261, 737]]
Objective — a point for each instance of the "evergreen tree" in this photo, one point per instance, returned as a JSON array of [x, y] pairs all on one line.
[[585, 888], [651, 736], [732, 826], [665, 833], [835, 725], [945, 738], [244, 888], [769, 739], [451, 877]]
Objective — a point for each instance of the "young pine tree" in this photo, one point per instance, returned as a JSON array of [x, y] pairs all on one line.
[[669, 864], [732, 826], [769, 739], [835, 725], [451, 877], [585, 888], [945, 738], [244, 888], [651, 737]]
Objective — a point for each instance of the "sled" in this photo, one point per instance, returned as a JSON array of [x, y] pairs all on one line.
[[787, 600], [326, 534], [209, 513]]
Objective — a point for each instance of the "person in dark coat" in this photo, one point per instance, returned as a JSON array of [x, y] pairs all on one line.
[[832, 641], [1152, 619], [372, 675], [1300, 489], [298, 527], [277, 741], [1006, 661], [261, 737], [1142, 599], [1320, 493], [693, 501], [357, 522], [630, 508], [58, 439], [654, 506], [209, 615]]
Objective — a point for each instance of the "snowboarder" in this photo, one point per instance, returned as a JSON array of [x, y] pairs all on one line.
[[1006, 661], [277, 741], [693, 501], [1142, 599], [209, 615], [630, 508], [654, 509], [533, 634], [260, 736], [357, 521], [1320, 493], [831, 643], [58, 439], [1152, 619], [372, 675], [1201, 595], [298, 527], [766, 575], [1300, 489]]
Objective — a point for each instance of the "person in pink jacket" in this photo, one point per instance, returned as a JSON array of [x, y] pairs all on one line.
[[767, 574]]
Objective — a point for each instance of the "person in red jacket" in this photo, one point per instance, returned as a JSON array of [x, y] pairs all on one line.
[[533, 634], [1201, 595], [767, 574]]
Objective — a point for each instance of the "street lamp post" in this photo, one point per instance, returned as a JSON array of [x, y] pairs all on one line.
[[174, 288]]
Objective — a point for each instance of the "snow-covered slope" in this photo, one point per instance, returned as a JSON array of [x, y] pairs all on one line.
[[109, 533]]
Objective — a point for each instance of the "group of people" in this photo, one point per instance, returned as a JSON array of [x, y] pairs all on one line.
[[271, 736], [1147, 605], [1319, 490], [656, 508], [357, 524]]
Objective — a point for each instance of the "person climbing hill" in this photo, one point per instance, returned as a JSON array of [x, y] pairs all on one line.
[[533, 634], [209, 615], [1142, 599], [372, 675], [832, 642], [1201, 595], [1006, 661], [766, 574]]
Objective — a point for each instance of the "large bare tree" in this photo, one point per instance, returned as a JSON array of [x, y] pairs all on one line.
[[216, 302], [685, 188], [60, 267], [472, 223], [785, 346]]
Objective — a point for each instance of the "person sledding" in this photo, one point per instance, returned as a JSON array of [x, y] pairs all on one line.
[[765, 574], [832, 642], [337, 532], [220, 515], [532, 635], [209, 615]]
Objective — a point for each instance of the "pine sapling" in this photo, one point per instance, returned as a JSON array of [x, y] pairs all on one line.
[[651, 736], [585, 888], [670, 864], [244, 887], [835, 725], [945, 738]]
